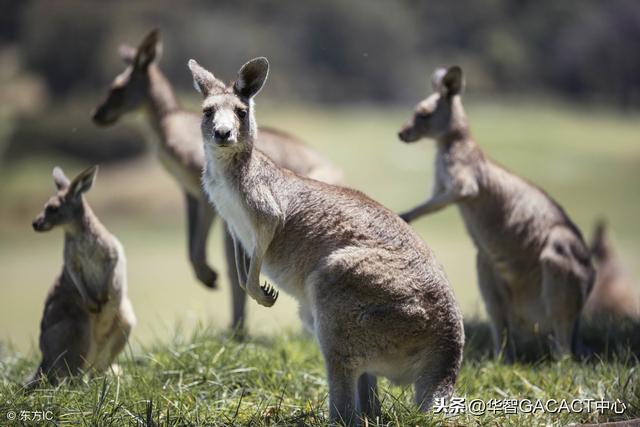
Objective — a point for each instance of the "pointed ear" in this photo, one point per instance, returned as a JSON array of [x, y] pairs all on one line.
[[148, 50], [251, 77], [83, 182], [599, 233], [127, 53], [203, 81], [436, 79], [453, 81], [59, 178]]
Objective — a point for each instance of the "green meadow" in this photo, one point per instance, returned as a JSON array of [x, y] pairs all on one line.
[[182, 368]]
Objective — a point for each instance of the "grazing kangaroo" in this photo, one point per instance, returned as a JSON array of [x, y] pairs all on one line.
[[614, 292], [87, 315], [534, 269], [142, 83], [369, 289]]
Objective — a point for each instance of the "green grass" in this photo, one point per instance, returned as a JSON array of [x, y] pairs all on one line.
[[588, 160], [208, 378]]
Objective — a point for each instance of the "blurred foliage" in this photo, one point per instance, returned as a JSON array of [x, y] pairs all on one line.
[[69, 132], [355, 51], [330, 52]]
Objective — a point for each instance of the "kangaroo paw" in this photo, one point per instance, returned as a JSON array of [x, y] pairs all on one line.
[[269, 295], [208, 277]]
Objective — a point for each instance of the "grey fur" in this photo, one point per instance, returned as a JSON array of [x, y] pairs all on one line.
[[615, 293], [180, 151], [369, 289], [87, 315], [534, 269]]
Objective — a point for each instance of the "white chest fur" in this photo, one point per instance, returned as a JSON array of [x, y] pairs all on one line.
[[227, 201]]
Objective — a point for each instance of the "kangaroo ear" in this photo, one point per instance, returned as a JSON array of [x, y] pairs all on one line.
[[127, 53], [599, 233], [453, 81], [59, 178], [149, 50], [203, 81], [251, 77], [83, 182], [436, 79]]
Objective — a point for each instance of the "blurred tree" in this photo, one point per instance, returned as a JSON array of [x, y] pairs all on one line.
[[355, 51], [62, 41], [10, 20]]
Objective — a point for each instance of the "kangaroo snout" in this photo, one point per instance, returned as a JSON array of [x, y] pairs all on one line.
[[406, 134], [101, 117], [222, 135], [39, 224]]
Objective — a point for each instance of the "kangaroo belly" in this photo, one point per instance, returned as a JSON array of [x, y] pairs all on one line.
[[103, 326], [287, 278]]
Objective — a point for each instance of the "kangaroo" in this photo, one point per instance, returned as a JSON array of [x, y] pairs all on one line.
[[372, 293], [534, 269], [87, 315], [614, 292], [180, 151]]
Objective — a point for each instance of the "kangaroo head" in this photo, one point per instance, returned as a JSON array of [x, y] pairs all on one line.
[[439, 113], [128, 90], [228, 120], [66, 205]]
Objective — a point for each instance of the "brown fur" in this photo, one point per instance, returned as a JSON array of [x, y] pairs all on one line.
[[180, 150], [369, 289], [615, 293], [534, 268], [87, 316]]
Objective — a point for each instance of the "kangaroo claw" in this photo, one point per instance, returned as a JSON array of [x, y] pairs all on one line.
[[270, 294]]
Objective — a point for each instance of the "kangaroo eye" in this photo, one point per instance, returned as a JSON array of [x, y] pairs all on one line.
[[208, 112], [241, 112], [51, 209]]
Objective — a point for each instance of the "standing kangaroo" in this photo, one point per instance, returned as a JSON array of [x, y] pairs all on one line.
[[614, 292], [534, 269], [142, 83], [369, 289], [87, 315]]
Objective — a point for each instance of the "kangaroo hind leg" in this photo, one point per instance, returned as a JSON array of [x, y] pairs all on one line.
[[368, 401], [438, 378], [564, 292]]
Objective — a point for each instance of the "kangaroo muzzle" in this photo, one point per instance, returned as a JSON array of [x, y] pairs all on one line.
[[103, 116], [407, 133], [40, 224]]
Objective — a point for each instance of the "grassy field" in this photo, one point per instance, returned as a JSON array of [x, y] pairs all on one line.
[[208, 378], [588, 160]]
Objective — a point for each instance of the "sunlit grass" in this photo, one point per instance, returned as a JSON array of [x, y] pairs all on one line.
[[208, 378], [588, 160]]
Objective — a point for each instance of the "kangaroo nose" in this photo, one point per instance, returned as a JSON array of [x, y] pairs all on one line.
[[34, 224], [222, 135]]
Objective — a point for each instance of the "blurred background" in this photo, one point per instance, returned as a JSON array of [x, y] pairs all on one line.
[[553, 93]]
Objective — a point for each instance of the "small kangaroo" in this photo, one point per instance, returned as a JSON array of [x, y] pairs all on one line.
[[615, 292], [142, 83], [87, 315], [369, 289], [534, 269]]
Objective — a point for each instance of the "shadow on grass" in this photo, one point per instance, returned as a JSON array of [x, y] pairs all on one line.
[[608, 339]]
